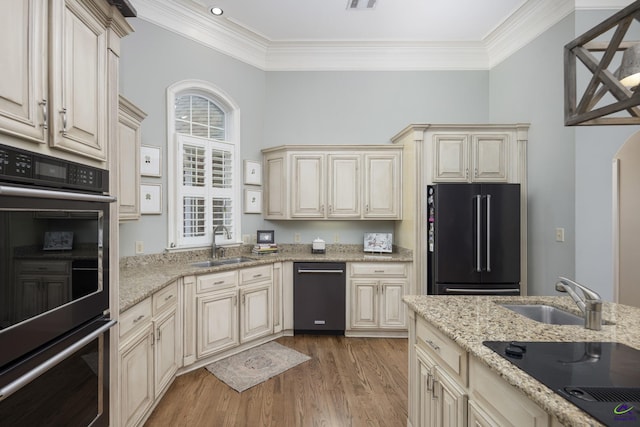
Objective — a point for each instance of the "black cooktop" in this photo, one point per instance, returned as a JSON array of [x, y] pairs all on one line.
[[601, 378]]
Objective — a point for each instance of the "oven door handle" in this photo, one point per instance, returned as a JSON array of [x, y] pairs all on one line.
[[52, 194], [20, 382]]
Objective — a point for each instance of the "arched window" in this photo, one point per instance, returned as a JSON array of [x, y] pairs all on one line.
[[204, 166]]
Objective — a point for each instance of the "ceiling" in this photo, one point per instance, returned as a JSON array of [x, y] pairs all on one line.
[[394, 34]]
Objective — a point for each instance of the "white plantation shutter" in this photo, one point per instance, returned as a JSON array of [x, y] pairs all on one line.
[[206, 191]]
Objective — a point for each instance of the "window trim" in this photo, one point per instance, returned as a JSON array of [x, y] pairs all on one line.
[[232, 135]]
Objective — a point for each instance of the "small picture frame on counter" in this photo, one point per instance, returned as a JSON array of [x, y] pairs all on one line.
[[378, 242], [266, 236]]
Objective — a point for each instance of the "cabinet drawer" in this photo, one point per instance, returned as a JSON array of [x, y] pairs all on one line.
[[378, 269], [39, 266], [215, 281], [255, 274], [135, 317], [503, 402], [165, 298], [449, 354]]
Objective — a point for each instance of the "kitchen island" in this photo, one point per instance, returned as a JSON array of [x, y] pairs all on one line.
[[446, 336]]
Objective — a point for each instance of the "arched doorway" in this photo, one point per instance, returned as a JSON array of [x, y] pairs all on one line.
[[626, 222]]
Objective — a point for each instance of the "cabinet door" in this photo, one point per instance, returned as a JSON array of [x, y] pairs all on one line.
[[424, 399], [136, 381], [450, 157], [166, 353], [478, 418], [57, 291], [382, 198], [364, 304], [23, 54], [490, 154], [450, 401], [78, 80], [255, 311], [344, 186], [276, 196], [217, 322], [393, 314], [308, 186], [128, 146]]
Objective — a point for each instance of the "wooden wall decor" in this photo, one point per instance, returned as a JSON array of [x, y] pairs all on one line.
[[594, 107]]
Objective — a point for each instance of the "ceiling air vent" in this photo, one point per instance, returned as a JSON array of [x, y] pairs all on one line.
[[361, 4]]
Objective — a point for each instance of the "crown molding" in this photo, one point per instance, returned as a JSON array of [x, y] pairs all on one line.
[[236, 41]]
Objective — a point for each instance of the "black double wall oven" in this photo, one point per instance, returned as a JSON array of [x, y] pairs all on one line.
[[54, 291]]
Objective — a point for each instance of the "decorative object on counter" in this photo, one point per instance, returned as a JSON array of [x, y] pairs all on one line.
[[252, 201], [265, 248], [58, 241], [318, 246], [252, 172], [251, 367], [151, 199], [266, 236], [378, 242], [149, 161], [617, 87]]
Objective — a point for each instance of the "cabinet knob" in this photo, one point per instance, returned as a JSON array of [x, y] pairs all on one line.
[[45, 115], [64, 121]]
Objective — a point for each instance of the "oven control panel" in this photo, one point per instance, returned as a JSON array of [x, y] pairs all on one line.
[[25, 167]]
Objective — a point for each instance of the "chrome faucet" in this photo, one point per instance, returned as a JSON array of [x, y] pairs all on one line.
[[591, 306], [213, 240]]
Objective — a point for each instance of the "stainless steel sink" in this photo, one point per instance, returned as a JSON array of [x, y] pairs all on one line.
[[546, 314], [222, 261]]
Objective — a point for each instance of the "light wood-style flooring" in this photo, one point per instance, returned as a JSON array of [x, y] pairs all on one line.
[[347, 382]]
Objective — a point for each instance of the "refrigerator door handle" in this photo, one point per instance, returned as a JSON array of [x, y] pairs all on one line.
[[478, 198], [488, 232]]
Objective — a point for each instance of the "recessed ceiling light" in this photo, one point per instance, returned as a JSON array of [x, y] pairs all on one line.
[[216, 11]]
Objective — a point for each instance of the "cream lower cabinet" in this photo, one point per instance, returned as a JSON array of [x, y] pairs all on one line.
[[149, 353], [232, 307], [449, 387], [333, 182], [375, 292], [443, 402]]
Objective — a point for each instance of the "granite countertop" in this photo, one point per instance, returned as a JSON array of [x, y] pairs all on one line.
[[141, 276], [470, 320]]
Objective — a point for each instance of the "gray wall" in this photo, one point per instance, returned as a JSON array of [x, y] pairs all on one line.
[[528, 87]]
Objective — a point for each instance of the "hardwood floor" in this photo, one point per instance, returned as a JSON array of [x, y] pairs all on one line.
[[347, 382]]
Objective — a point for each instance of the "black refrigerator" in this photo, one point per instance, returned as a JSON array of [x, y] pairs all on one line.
[[473, 242]]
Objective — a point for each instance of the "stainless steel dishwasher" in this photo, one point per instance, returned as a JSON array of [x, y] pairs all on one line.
[[319, 297]]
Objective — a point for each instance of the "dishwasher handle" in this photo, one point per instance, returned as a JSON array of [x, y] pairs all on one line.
[[308, 270]]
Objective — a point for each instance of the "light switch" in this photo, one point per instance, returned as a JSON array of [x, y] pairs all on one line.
[[559, 234]]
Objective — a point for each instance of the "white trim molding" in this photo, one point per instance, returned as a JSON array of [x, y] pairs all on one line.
[[236, 41]]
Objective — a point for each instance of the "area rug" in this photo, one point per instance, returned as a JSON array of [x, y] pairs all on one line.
[[253, 366]]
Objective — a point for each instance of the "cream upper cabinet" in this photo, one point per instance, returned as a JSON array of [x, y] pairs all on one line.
[[344, 186], [59, 75], [333, 182], [308, 181], [382, 186], [23, 61], [470, 157], [128, 146]]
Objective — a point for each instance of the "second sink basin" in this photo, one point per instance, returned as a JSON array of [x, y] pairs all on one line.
[[546, 314], [223, 261]]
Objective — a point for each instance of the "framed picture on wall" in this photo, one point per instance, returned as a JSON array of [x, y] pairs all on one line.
[[151, 199], [252, 172], [149, 161], [252, 201]]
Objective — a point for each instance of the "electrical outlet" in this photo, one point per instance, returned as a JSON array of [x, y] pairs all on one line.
[[246, 239], [296, 238], [254, 239], [139, 247], [559, 234], [336, 238]]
